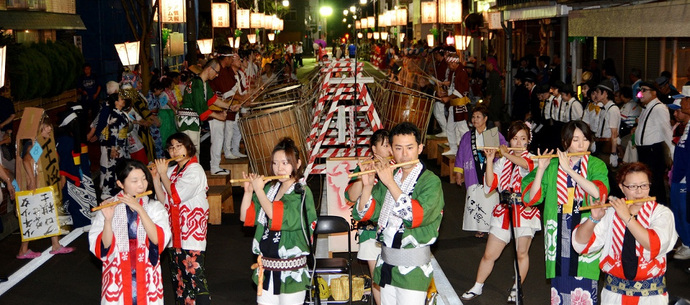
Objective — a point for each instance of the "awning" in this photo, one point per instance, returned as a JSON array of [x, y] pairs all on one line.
[[539, 12], [658, 19], [27, 20]]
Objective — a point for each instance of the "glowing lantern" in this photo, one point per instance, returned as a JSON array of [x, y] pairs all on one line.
[[172, 11], [3, 61], [237, 42], [401, 16], [371, 21], [271, 36], [450, 40], [360, 35], [370, 35], [402, 37], [376, 35], [429, 12], [462, 42], [430, 40], [257, 20], [384, 35], [450, 11], [364, 23], [205, 46], [251, 38], [243, 19], [221, 15], [128, 53], [358, 24]]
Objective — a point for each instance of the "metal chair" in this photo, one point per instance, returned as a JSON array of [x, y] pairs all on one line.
[[330, 225]]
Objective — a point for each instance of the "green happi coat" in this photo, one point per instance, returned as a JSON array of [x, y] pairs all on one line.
[[422, 231], [287, 220], [588, 265], [195, 98]]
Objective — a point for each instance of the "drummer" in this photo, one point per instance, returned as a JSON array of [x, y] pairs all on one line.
[[221, 129]]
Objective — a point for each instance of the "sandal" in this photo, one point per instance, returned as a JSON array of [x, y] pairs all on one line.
[[512, 297], [29, 255], [62, 250], [469, 295]]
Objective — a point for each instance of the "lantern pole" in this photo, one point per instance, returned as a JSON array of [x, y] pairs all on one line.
[[160, 36]]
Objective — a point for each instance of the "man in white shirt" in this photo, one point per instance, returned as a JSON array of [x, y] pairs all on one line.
[[652, 132], [298, 54], [571, 109], [609, 122]]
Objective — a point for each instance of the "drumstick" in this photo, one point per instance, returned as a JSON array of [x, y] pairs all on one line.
[[151, 166], [392, 166], [265, 178], [606, 205], [116, 202], [496, 148], [375, 160], [556, 156]]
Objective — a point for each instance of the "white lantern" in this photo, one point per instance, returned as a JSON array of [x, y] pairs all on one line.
[[365, 23], [382, 20], [360, 35], [371, 21], [462, 42], [3, 62], [280, 24], [271, 36], [384, 35], [430, 40], [243, 19], [450, 11], [220, 13], [128, 53], [401, 16], [429, 12], [257, 20], [268, 22], [205, 46], [370, 35], [450, 40], [358, 24], [390, 18], [237, 42], [275, 23], [172, 11], [402, 37], [251, 38], [376, 35]]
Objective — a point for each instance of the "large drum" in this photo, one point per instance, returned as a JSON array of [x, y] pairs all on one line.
[[286, 93], [407, 105], [262, 129]]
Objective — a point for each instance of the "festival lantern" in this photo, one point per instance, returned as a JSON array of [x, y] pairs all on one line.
[[429, 12], [237, 42], [271, 36], [382, 20], [3, 61], [462, 42], [401, 16], [286, 3], [376, 35], [205, 46], [251, 38], [450, 40], [280, 24], [364, 23], [360, 35], [430, 40], [275, 23], [450, 11], [358, 24], [384, 35], [402, 37], [128, 53], [371, 21], [257, 20], [172, 11], [390, 18], [221, 15], [370, 35], [243, 19]]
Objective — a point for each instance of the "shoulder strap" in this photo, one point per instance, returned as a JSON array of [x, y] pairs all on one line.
[[644, 126]]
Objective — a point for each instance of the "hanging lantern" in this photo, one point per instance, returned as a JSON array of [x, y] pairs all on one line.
[[237, 42], [256, 20], [243, 19], [251, 38], [462, 42], [205, 46], [402, 37], [390, 18], [128, 53], [401, 16], [275, 24], [429, 12], [450, 40], [430, 40], [370, 35], [365, 23], [384, 35], [371, 21], [358, 24], [360, 35], [172, 11], [382, 20], [271, 36], [220, 13], [376, 35], [3, 61], [280, 24], [268, 22], [450, 11]]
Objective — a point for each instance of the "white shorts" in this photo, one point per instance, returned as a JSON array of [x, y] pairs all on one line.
[[504, 234], [369, 250], [268, 298], [395, 295]]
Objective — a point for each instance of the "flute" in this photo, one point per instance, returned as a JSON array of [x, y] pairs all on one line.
[[265, 179], [392, 166], [116, 202], [151, 166], [375, 160], [606, 205], [497, 148], [556, 156]]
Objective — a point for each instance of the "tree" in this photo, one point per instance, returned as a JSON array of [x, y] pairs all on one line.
[[140, 19]]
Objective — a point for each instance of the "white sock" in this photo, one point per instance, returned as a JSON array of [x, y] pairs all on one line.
[[477, 288]]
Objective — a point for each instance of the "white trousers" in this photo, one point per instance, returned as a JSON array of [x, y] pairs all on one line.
[[391, 295], [218, 139], [195, 136], [440, 115], [233, 138], [455, 131]]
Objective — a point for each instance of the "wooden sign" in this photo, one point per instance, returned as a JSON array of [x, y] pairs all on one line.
[[38, 214]]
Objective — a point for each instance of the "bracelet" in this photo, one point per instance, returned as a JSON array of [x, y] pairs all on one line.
[[629, 219], [594, 220]]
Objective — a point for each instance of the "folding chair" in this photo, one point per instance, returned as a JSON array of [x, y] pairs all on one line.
[[331, 225]]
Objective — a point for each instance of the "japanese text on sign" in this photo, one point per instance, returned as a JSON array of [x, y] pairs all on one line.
[[37, 213]]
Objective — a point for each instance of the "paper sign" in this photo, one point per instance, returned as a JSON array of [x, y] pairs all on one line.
[[337, 170], [38, 215], [36, 151]]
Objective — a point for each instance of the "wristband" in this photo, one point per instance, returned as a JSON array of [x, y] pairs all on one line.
[[594, 220], [629, 219]]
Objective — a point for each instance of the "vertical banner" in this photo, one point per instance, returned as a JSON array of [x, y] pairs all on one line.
[[337, 170], [38, 215]]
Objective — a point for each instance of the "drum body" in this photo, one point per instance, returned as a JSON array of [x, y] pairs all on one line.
[[407, 105]]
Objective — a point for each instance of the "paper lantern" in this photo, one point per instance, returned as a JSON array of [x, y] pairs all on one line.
[[271, 36], [358, 24], [450, 40], [450, 11], [384, 35], [401, 16], [268, 22], [275, 23], [128, 53], [251, 38], [462, 42], [360, 35], [364, 23], [371, 21], [382, 20], [205, 46], [220, 13], [243, 19], [280, 24], [3, 62], [237, 42], [402, 37], [172, 11], [429, 12], [370, 35], [256, 20], [376, 35], [430, 40]]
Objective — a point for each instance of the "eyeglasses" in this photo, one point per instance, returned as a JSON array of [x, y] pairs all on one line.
[[645, 89], [214, 70], [643, 187], [175, 147]]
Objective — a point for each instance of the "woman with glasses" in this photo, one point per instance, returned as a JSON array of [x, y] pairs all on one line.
[[633, 240], [182, 188], [565, 184]]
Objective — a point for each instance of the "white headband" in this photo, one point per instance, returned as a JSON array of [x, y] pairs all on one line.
[[68, 119]]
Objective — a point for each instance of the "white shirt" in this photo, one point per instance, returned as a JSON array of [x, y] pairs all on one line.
[[548, 108], [300, 50], [570, 110], [630, 112], [658, 129], [591, 117], [609, 118]]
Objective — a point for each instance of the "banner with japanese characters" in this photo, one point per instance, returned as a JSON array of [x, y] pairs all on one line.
[[38, 215]]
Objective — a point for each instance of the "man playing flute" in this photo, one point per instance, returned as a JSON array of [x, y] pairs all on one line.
[[408, 206]]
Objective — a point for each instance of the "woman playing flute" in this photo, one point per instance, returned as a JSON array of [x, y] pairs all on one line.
[[564, 184], [633, 241], [281, 233]]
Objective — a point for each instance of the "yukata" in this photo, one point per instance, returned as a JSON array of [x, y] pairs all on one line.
[[188, 210], [280, 240], [634, 275], [406, 227], [154, 103], [135, 147], [140, 105], [78, 193], [131, 265], [507, 181], [166, 114], [113, 126], [573, 276], [472, 163]]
